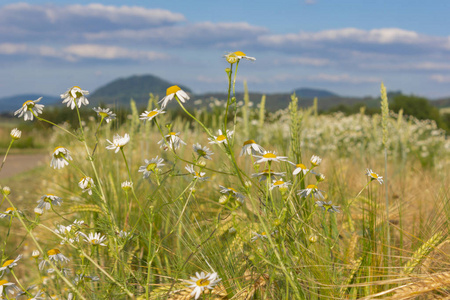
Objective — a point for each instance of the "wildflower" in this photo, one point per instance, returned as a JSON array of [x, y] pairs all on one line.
[[257, 236], [105, 113], [200, 176], [8, 213], [86, 184], [269, 157], [123, 234], [221, 138], [6, 190], [118, 142], [9, 264], [233, 193], [264, 174], [223, 199], [172, 92], [313, 238], [79, 278], [66, 232], [75, 96], [300, 168], [171, 140], [94, 239], [48, 200], [126, 185], [328, 206], [35, 254], [38, 211], [40, 295], [202, 151], [282, 185], [60, 158], [202, 281], [311, 189], [56, 256], [15, 134], [320, 177], [251, 147], [151, 166], [7, 287], [374, 176], [233, 57], [149, 115], [29, 109], [315, 160]]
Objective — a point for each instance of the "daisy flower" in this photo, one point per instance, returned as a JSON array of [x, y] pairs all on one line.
[[29, 109], [66, 232], [48, 200], [202, 151], [60, 158], [126, 185], [257, 236], [149, 115], [374, 176], [94, 239], [233, 57], [251, 147], [9, 264], [300, 168], [328, 206], [171, 140], [264, 174], [232, 192], [200, 176], [315, 160], [280, 184], [7, 287], [118, 142], [15, 134], [221, 138], [151, 166], [202, 281], [6, 190], [105, 113], [54, 255], [75, 96], [79, 278], [269, 157], [8, 213], [86, 184], [172, 92], [311, 189], [38, 211]]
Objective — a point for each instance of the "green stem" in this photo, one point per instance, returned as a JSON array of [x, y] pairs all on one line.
[[63, 129], [6, 154]]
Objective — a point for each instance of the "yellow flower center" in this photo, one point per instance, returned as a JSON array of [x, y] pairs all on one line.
[[60, 153], [2, 282], [311, 186], [103, 114], [269, 155], [278, 182], [94, 241], [152, 114], [249, 142], [53, 252], [202, 282], [263, 233], [151, 167], [29, 104], [10, 210], [172, 133], [172, 90], [78, 94], [326, 206], [301, 166], [198, 175], [201, 152], [374, 175], [240, 53], [8, 262], [221, 138], [232, 189]]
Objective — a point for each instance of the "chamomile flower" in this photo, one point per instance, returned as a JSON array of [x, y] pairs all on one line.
[[80, 278], [265, 174], [374, 176], [29, 109], [123, 234], [234, 57], [171, 140], [251, 147], [200, 176], [149, 115], [269, 157], [38, 211], [6, 190], [86, 184], [49, 200], [7, 288], [40, 295], [151, 166], [257, 236], [280, 184], [300, 168], [105, 113], [15, 134], [9, 264], [315, 160], [232, 192], [35, 254], [75, 96], [171, 92], [328, 206], [202, 281], [60, 158], [126, 185], [95, 239], [221, 138], [311, 189], [118, 142], [54, 255], [202, 151], [9, 213]]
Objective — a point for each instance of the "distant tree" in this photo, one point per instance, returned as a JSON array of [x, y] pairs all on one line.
[[416, 106]]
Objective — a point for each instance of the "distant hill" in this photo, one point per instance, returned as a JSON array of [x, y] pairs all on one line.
[[308, 93], [441, 103], [137, 87], [12, 103]]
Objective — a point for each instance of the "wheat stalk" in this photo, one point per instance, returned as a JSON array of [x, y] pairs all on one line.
[[423, 252]]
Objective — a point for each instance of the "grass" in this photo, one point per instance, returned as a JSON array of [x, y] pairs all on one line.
[[274, 244]]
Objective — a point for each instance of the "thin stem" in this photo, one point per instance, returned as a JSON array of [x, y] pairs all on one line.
[[63, 129], [6, 154]]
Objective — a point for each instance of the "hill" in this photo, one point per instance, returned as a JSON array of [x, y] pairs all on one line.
[[12, 103], [137, 87], [312, 93]]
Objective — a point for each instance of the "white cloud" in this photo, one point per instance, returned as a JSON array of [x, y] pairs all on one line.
[[408, 66], [342, 78], [440, 78], [303, 60]]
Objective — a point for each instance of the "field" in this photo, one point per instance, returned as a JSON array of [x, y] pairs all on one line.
[[270, 205]]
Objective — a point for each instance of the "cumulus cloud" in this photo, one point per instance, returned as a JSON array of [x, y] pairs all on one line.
[[440, 78]]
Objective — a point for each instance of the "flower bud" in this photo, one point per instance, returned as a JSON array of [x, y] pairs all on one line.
[[201, 163], [6, 190], [313, 238], [320, 177], [223, 199], [126, 185], [38, 211], [248, 184], [35, 254], [15, 134]]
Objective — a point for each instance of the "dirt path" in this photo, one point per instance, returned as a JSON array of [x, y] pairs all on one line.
[[18, 163]]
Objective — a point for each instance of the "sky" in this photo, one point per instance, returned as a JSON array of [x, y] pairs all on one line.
[[348, 46]]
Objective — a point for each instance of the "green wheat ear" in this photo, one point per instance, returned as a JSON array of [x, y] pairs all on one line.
[[423, 252], [262, 111], [384, 114]]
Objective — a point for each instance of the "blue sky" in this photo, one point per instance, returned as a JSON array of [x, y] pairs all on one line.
[[347, 47]]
